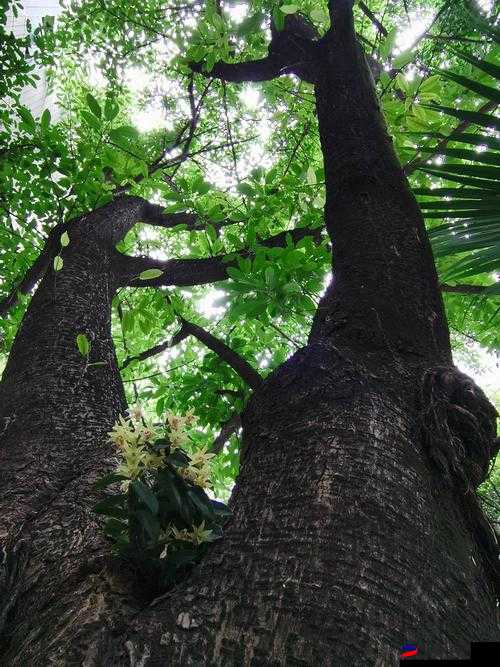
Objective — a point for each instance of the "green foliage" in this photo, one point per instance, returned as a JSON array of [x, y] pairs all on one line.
[[473, 204]]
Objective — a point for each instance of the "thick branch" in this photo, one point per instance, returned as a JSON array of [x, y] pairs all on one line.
[[236, 361], [341, 15], [368, 12], [154, 215], [189, 272], [264, 69], [35, 272]]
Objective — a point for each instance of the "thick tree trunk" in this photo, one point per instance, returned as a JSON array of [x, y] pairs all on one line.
[[342, 546], [56, 407]]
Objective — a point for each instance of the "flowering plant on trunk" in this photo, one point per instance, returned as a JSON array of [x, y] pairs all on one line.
[[160, 518]]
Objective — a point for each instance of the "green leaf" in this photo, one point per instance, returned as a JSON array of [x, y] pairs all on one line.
[[83, 344], [221, 510], [58, 263], [201, 503], [116, 529], [486, 157], [270, 276], [250, 25], [278, 19], [311, 176], [64, 239], [93, 105], [149, 523], [145, 494], [388, 43], [110, 503], [490, 68], [485, 91], [125, 132], [482, 119], [26, 117], [403, 59], [476, 171], [211, 233], [246, 189], [150, 274], [111, 109], [45, 120], [464, 180], [289, 9], [178, 458], [319, 15], [107, 480]]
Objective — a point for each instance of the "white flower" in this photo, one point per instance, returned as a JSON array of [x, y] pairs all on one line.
[[190, 418], [178, 438], [196, 536], [122, 433], [136, 412], [201, 457], [175, 422]]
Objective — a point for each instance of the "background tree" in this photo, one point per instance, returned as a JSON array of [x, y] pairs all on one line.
[[316, 558]]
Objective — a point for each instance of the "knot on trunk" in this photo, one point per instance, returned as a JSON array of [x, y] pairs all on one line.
[[458, 426]]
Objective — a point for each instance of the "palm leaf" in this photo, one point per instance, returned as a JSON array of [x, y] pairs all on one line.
[[472, 206]]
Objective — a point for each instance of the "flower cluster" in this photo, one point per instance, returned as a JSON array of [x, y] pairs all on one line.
[[198, 535], [162, 518], [176, 425], [198, 470], [132, 437]]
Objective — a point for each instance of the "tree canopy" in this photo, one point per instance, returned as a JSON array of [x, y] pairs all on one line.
[[232, 166]]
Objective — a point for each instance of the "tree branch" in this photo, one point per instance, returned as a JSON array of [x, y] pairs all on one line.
[[189, 272], [464, 289], [341, 15], [236, 361], [156, 349], [232, 425], [264, 69], [35, 272], [368, 12], [154, 215]]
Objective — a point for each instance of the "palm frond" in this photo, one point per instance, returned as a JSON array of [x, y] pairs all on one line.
[[471, 202]]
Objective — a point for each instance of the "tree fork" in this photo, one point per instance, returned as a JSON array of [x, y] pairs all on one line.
[[340, 537]]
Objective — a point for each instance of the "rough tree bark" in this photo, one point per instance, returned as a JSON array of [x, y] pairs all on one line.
[[350, 536]]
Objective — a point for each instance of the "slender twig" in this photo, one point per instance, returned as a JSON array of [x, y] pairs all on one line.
[[464, 289], [366, 10]]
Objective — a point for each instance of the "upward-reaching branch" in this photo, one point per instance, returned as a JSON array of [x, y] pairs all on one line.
[[34, 273], [235, 360]]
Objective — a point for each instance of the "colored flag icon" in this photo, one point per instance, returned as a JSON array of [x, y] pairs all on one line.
[[408, 651]]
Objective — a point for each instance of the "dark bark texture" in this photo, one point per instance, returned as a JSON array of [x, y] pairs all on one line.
[[348, 538]]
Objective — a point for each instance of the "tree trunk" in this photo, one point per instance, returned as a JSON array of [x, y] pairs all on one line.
[[56, 407], [344, 543]]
